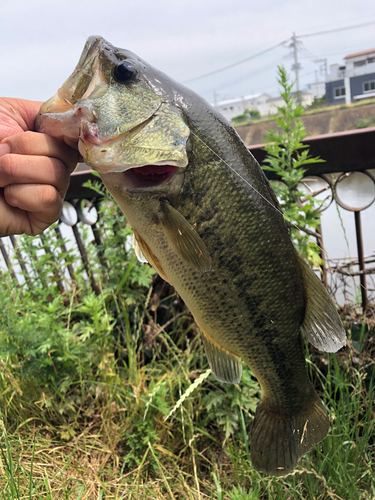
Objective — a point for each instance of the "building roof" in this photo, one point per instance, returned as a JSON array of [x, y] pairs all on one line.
[[240, 99], [294, 95], [357, 54]]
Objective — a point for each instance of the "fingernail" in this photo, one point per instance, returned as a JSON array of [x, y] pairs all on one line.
[[4, 148]]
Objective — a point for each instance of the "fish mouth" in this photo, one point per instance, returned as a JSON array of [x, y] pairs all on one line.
[[123, 148], [105, 155], [146, 177], [154, 173]]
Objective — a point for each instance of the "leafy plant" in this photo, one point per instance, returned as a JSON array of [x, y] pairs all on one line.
[[241, 493], [247, 115], [287, 158], [253, 113], [59, 333], [225, 404], [92, 409], [318, 102], [366, 122]]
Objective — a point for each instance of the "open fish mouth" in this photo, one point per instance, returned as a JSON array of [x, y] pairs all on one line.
[[146, 177], [154, 173], [104, 154]]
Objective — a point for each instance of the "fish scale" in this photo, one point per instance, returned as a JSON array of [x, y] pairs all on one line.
[[252, 286], [209, 223]]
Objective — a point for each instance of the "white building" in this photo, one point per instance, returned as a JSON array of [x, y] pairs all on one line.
[[234, 107], [317, 89], [352, 81], [274, 102], [264, 103]]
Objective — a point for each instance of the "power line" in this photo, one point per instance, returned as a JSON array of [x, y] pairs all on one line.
[[337, 29], [235, 64], [274, 47], [310, 55], [244, 77], [294, 43]]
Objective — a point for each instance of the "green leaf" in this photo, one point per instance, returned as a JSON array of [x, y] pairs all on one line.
[[286, 157]]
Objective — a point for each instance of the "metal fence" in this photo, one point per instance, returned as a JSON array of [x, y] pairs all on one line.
[[349, 169]]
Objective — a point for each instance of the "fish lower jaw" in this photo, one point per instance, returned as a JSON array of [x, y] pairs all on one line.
[[89, 133]]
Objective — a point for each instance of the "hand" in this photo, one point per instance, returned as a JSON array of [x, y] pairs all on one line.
[[34, 171]]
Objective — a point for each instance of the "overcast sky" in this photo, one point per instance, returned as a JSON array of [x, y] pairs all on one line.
[[41, 40]]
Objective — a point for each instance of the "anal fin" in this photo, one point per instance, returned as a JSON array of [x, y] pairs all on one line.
[[226, 367], [322, 325]]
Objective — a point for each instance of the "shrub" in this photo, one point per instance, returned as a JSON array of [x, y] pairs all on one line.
[[286, 160]]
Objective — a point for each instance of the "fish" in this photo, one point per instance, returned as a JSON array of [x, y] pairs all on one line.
[[205, 217]]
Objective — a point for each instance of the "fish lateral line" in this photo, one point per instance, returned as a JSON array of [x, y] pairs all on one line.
[[239, 175]]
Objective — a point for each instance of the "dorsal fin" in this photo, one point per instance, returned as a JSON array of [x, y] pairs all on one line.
[[322, 325]]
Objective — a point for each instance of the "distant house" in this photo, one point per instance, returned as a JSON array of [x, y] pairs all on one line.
[[264, 103], [305, 96], [353, 81], [318, 89], [234, 107]]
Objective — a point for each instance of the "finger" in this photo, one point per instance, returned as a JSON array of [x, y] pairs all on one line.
[[41, 199], [73, 143], [22, 111], [37, 144], [13, 220], [20, 169], [17, 115]]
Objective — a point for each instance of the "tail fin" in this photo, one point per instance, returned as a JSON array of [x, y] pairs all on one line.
[[278, 441]]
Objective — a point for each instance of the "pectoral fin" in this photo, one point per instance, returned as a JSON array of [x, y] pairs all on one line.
[[322, 325], [226, 367], [184, 240]]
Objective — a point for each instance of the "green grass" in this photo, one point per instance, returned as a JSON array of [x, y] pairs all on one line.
[[366, 122], [87, 383], [104, 434]]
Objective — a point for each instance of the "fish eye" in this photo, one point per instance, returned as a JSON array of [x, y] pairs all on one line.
[[124, 71]]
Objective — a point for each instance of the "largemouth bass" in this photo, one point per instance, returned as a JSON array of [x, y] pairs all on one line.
[[205, 217]]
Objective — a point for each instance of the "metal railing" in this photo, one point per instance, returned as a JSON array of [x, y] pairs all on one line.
[[347, 154]]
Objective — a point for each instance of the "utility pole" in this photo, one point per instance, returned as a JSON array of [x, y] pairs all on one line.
[[296, 67]]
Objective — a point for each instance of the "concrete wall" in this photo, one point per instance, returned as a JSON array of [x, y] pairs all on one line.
[[326, 122]]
